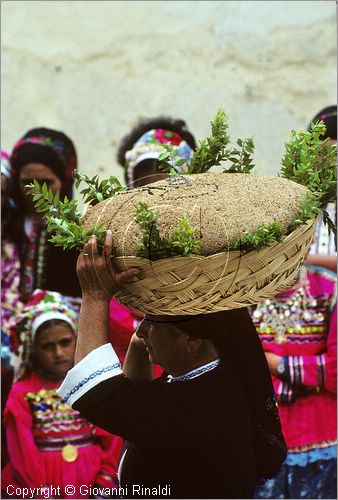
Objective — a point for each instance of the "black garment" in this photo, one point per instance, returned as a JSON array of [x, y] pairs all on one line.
[[236, 340], [195, 436], [53, 269], [60, 271]]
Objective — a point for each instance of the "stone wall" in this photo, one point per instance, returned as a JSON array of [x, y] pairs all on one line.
[[92, 68]]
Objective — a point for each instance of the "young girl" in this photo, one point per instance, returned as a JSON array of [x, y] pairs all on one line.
[[49, 444]]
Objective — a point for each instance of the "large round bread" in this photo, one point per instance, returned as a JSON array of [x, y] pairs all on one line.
[[220, 207]]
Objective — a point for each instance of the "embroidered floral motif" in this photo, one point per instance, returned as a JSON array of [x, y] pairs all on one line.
[[55, 423]]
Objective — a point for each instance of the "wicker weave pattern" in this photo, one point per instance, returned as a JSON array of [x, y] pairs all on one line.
[[227, 280]]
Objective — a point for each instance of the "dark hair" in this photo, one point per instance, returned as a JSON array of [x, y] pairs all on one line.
[[329, 116], [49, 324], [32, 364], [144, 125]]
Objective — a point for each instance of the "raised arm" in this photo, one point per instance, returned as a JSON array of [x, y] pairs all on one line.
[[99, 282]]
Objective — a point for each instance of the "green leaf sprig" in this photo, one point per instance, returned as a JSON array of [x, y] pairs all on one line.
[[313, 163], [152, 246], [97, 191], [242, 159], [212, 151], [183, 239], [63, 219], [265, 235], [308, 209], [170, 161]]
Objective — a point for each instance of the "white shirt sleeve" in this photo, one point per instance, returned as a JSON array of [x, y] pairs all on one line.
[[99, 365]]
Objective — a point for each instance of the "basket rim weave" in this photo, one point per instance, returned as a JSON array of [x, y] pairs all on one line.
[[226, 280]]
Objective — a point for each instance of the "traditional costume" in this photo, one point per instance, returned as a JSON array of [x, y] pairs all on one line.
[[49, 444], [10, 281], [42, 264], [162, 419], [301, 326], [10, 262]]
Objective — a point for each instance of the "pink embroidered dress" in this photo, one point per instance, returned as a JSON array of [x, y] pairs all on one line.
[[306, 338], [39, 426]]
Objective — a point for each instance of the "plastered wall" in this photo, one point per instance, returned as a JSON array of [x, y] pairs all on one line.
[[91, 68]]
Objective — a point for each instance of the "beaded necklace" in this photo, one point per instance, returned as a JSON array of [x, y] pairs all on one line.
[[290, 314]]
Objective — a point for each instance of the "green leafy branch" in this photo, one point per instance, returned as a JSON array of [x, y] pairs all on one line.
[[264, 236], [312, 162], [182, 241], [308, 209], [242, 159], [212, 151], [97, 191], [151, 243], [63, 219], [267, 234], [170, 161]]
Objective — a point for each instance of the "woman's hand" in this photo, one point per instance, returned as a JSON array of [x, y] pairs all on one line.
[[137, 342], [96, 274], [136, 364]]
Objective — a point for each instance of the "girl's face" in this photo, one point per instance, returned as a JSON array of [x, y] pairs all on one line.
[[55, 349], [146, 172], [42, 174]]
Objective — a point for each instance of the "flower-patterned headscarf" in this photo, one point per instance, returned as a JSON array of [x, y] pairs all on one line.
[[149, 146], [44, 305], [5, 165]]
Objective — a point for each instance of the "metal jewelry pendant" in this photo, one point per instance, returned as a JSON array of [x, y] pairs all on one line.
[[69, 453]]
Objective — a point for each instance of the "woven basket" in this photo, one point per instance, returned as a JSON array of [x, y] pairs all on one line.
[[226, 280]]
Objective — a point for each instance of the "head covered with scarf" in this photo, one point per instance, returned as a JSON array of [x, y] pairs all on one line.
[[329, 116], [145, 140], [43, 306], [48, 147], [5, 165], [236, 340]]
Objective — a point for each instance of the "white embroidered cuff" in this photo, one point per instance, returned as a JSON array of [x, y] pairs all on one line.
[[99, 365]]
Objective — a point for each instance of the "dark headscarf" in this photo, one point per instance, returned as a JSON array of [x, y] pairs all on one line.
[[236, 340], [329, 116], [48, 147]]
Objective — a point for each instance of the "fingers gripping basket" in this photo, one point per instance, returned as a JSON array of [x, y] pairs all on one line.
[[226, 280]]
